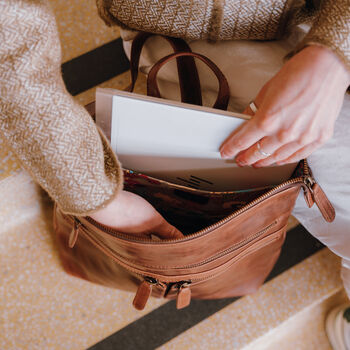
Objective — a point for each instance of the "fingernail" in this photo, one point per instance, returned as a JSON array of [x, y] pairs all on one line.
[[256, 166], [225, 155]]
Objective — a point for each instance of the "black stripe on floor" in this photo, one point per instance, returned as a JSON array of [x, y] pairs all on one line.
[[95, 67], [165, 323]]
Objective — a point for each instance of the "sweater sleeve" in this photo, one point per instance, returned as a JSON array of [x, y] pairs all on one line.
[[52, 135], [332, 29]]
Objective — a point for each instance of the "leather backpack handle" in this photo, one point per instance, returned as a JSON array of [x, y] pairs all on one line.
[[224, 90], [186, 67]]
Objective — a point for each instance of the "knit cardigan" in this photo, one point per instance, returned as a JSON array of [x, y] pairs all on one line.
[[55, 138]]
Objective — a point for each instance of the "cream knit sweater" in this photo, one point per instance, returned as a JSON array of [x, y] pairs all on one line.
[[55, 138]]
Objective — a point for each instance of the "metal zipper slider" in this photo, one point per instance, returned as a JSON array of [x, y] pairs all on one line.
[[309, 181], [317, 195], [73, 236], [143, 293], [183, 295]]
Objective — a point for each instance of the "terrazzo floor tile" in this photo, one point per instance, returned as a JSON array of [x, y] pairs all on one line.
[[41, 306], [81, 29], [249, 318], [304, 331], [119, 82]]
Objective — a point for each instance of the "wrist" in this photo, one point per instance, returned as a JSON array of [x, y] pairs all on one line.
[[325, 56]]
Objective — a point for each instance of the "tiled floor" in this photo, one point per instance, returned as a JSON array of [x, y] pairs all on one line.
[[80, 27], [249, 318], [43, 308]]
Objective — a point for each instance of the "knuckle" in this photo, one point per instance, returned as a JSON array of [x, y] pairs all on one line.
[[306, 138], [239, 144], [280, 154], [285, 136], [266, 124], [173, 233], [243, 158], [300, 142]]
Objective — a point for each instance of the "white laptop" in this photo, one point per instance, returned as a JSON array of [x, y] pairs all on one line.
[[177, 142]]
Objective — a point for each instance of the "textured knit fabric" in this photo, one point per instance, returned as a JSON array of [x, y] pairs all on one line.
[[55, 138], [52, 135], [200, 19], [234, 19], [332, 29]]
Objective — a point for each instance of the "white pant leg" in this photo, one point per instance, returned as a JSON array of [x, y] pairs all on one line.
[[331, 167]]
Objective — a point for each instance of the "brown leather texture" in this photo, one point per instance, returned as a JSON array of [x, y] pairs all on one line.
[[323, 203], [224, 90], [186, 67], [231, 257]]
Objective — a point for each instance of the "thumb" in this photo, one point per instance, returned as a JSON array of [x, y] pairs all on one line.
[[167, 231]]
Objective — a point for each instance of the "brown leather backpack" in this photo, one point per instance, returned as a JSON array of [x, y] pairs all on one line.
[[232, 239]]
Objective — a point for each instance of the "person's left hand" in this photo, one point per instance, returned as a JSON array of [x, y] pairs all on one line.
[[129, 213], [297, 110]]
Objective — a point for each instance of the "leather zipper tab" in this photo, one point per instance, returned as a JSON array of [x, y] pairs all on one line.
[[183, 295], [73, 236], [323, 203], [143, 293], [315, 194]]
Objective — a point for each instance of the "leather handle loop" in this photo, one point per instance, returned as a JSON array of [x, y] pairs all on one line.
[[224, 90], [186, 67]]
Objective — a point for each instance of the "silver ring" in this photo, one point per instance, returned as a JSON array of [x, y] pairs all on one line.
[[265, 154], [253, 107]]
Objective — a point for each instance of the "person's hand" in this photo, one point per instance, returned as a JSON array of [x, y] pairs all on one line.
[[130, 213], [297, 110]]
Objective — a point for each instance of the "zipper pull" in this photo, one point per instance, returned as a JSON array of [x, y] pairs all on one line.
[[143, 293], [183, 295], [317, 195], [308, 181], [73, 236]]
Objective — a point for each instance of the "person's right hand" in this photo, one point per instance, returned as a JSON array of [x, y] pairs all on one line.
[[297, 111], [130, 213]]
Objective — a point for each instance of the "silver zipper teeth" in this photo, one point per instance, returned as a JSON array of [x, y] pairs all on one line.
[[211, 227]]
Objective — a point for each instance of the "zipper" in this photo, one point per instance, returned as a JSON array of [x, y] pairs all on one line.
[[142, 273], [315, 194], [144, 290], [276, 189], [286, 184], [232, 248], [307, 181], [183, 297], [73, 236], [184, 294]]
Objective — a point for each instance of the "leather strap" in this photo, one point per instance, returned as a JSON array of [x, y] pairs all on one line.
[[224, 90], [186, 67]]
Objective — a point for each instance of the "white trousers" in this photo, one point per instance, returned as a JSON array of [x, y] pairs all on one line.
[[247, 66]]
